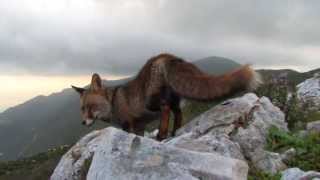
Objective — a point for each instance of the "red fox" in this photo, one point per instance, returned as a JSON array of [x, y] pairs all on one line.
[[155, 91]]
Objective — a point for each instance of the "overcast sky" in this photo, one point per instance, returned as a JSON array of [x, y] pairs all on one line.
[[115, 37]]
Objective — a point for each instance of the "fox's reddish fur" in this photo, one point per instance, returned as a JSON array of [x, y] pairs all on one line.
[[160, 84]]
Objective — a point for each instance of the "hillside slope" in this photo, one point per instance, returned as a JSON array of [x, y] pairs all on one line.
[[294, 77], [41, 123]]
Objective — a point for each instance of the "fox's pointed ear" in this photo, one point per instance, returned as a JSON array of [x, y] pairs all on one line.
[[96, 83], [79, 90]]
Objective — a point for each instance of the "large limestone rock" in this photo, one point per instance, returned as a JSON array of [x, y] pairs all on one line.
[[236, 128], [212, 146], [309, 91], [118, 155]]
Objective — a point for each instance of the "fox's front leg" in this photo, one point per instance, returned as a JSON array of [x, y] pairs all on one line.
[[164, 122], [128, 127]]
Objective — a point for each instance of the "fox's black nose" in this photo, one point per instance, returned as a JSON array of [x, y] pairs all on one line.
[[83, 122]]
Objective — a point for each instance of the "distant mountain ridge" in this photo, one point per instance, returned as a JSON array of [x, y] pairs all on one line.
[[216, 65], [294, 77]]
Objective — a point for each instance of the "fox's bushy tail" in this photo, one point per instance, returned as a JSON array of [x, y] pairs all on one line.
[[189, 81]]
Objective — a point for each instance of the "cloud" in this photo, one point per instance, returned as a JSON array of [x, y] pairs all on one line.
[[78, 37]]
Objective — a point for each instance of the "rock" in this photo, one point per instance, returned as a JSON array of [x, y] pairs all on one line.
[[240, 122], [292, 174], [309, 92], [220, 144], [298, 174], [71, 164], [222, 115], [261, 117], [313, 126], [119, 155], [288, 155], [212, 146], [152, 135], [268, 161]]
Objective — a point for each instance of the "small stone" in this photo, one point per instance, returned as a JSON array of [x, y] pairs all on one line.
[[313, 126], [298, 174], [288, 155], [268, 161]]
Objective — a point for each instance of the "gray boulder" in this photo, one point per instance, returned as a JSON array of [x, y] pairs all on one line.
[[309, 92], [268, 161], [288, 155], [71, 165], [116, 155], [236, 128], [212, 146], [298, 174]]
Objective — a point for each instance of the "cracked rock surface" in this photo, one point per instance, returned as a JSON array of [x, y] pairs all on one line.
[[236, 128], [119, 155]]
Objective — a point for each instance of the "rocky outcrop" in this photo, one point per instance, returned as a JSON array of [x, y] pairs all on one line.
[[115, 154], [309, 92], [72, 165], [215, 145], [236, 128], [298, 174]]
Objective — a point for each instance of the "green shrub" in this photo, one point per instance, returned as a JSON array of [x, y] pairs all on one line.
[[308, 148], [36, 167], [312, 116], [255, 174]]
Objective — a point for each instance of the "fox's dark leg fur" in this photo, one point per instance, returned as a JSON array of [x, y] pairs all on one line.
[[165, 113], [175, 107], [164, 122], [139, 128], [128, 127]]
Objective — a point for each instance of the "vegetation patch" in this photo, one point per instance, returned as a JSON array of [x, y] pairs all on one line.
[[312, 116], [308, 148], [37, 167], [255, 174], [85, 168]]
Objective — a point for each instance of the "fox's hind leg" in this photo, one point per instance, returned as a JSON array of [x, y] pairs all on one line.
[[175, 104], [164, 122]]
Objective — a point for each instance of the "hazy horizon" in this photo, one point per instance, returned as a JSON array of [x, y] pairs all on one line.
[[29, 87], [47, 45]]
